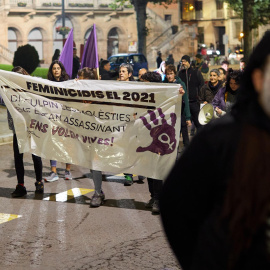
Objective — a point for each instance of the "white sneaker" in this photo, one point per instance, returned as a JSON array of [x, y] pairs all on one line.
[[68, 175], [52, 177]]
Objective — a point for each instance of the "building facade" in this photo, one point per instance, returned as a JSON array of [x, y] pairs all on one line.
[[217, 25], [176, 29], [35, 22]]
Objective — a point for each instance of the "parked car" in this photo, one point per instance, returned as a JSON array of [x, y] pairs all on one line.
[[137, 60]]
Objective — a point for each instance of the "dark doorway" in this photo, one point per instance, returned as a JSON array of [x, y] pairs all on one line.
[[220, 46]]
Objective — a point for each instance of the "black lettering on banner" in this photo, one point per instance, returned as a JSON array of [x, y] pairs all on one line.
[[143, 97], [126, 96]]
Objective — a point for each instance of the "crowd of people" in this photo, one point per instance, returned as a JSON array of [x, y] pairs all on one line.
[[221, 90], [215, 202]]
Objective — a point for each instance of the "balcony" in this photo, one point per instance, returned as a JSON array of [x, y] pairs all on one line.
[[57, 4], [220, 13]]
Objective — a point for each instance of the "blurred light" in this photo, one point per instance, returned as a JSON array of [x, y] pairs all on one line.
[[241, 34], [191, 7]]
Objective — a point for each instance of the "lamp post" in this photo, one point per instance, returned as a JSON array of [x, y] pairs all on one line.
[[241, 37], [63, 18]]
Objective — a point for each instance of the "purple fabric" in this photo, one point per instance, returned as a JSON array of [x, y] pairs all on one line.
[[219, 99], [66, 56], [90, 52]]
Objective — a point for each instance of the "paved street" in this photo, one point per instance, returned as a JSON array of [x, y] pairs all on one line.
[[58, 230]]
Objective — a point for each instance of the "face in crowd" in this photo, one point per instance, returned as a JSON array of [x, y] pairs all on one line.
[[214, 78], [234, 85], [242, 65], [56, 71], [170, 75], [141, 72], [225, 66], [185, 64], [123, 74], [107, 66], [222, 75]]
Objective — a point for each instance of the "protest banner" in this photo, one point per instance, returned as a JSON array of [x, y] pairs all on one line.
[[118, 127]]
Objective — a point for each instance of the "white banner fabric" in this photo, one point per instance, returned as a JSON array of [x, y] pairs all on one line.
[[112, 126]]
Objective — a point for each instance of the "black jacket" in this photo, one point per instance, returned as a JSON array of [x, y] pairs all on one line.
[[107, 75], [192, 196], [194, 82]]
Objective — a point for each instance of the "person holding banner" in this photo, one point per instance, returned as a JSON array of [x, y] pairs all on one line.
[[125, 75], [57, 73], [20, 190], [155, 185], [171, 77], [98, 198]]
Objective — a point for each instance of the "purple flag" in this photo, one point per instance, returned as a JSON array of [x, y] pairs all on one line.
[[90, 52], [66, 56]]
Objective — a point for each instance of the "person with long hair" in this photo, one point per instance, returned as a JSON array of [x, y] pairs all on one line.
[[57, 73], [18, 157], [227, 95], [215, 203]]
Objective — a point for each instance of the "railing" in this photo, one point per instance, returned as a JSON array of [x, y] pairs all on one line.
[[6, 53], [167, 33], [220, 13], [58, 3], [20, 3]]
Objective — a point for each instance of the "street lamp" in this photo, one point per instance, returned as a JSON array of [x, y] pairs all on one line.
[[241, 37], [63, 17]]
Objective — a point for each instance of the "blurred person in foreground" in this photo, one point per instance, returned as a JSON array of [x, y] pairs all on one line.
[[215, 203]]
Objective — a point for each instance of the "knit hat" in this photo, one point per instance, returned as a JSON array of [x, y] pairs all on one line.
[[186, 57]]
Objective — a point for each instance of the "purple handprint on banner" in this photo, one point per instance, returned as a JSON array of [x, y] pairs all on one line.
[[163, 134]]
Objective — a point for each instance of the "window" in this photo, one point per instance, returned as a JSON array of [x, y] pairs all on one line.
[[121, 60], [219, 4], [113, 60], [199, 9], [188, 12], [35, 40], [12, 40], [168, 18], [57, 37], [201, 35], [237, 29]]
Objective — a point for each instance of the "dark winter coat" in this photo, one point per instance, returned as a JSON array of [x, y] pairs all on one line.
[[193, 80], [207, 94], [192, 196]]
